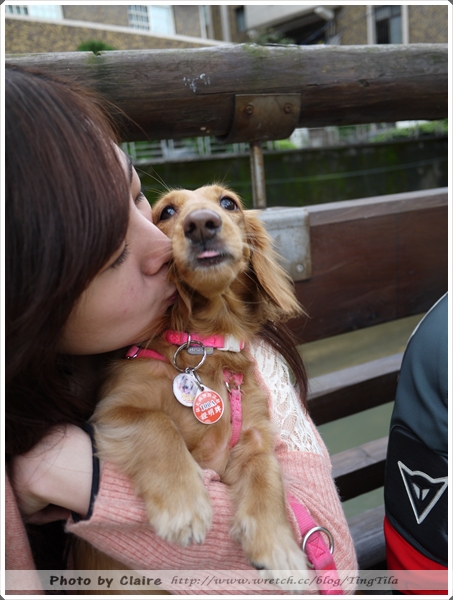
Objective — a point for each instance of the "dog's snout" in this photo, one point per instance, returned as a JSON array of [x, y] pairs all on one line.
[[201, 225]]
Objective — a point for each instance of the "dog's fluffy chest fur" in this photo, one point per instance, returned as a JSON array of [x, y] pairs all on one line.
[[208, 443]]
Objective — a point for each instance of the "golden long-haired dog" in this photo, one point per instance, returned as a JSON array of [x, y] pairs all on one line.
[[158, 420]]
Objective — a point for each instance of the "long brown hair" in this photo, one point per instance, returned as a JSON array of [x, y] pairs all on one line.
[[67, 206]]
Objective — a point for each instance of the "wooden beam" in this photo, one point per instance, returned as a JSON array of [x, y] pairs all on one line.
[[360, 469], [376, 206], [180, 93], [349, 391], [367, 531]]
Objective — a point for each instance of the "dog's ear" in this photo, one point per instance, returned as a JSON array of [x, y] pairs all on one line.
[[274, 282], [181, 311]]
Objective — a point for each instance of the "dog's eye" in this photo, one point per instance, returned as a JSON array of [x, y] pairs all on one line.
[[167, 213], [228, 203]]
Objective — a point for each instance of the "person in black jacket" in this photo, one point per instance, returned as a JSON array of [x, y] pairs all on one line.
[[415, 490]]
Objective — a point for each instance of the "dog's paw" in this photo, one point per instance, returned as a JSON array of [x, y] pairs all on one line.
[[275, 553], [281, 554], [184, 515], [286, 566]]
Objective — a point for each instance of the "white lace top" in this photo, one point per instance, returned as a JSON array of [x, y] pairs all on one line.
[[287, 413]]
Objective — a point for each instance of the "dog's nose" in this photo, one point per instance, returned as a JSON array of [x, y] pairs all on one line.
[[201, 225]]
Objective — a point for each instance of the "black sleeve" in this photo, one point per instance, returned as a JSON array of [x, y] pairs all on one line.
[[96, 475]]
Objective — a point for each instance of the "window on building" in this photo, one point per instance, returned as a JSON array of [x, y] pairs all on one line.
[[16, 10], [158, 19], [388, 23], [138, 17], [240, 19], [41, 11]]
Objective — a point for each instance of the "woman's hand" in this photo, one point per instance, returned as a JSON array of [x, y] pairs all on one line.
[[54, 477]]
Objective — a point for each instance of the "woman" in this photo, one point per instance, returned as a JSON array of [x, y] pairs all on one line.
[[86, 274]]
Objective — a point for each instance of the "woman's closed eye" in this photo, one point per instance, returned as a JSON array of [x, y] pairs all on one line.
[[121, 258], [140, 197]]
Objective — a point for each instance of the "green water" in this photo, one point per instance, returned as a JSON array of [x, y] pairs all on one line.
[[348, 350]]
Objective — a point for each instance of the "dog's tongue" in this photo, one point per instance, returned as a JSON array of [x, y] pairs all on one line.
[[208, 254]]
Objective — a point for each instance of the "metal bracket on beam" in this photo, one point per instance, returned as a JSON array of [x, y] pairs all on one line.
[[262, 117], [290, 229], [258, 118]]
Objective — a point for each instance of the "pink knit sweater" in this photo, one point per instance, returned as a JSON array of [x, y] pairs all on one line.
[[119, 528]]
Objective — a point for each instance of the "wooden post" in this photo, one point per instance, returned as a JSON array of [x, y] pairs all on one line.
[[257, 173]]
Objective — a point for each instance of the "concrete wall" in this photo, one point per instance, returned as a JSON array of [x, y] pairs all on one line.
[[352, 25], [23, 36], [428, 24], [187, 20]]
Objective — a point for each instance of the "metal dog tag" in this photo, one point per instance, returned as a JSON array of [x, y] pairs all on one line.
[[208, 406], [186, 387]]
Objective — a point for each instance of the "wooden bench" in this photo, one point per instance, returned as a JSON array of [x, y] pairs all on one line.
[[373, 260], [367, 261]]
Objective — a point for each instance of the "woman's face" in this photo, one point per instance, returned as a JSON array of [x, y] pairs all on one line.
[[130, 292]]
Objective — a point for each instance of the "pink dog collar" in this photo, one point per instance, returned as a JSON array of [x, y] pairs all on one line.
[[220, 342], [137, 352]]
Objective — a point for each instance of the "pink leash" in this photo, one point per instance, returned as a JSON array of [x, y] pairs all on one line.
[[318, 553], [314, 546], [235, 395]]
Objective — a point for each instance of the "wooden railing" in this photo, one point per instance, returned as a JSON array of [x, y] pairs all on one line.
[[249, 93], [189, 92], [363, 262]]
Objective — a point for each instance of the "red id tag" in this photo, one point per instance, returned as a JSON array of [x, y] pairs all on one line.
[[208, 407]]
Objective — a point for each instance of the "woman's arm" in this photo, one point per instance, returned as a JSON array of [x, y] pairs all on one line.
[[55, 477]]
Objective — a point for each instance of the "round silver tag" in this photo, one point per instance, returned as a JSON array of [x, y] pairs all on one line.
[[185, 388]]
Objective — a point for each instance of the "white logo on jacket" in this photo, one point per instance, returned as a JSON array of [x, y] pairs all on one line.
[[423, 491]]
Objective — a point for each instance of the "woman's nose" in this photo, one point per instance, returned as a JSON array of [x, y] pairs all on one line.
[[158, 250]]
